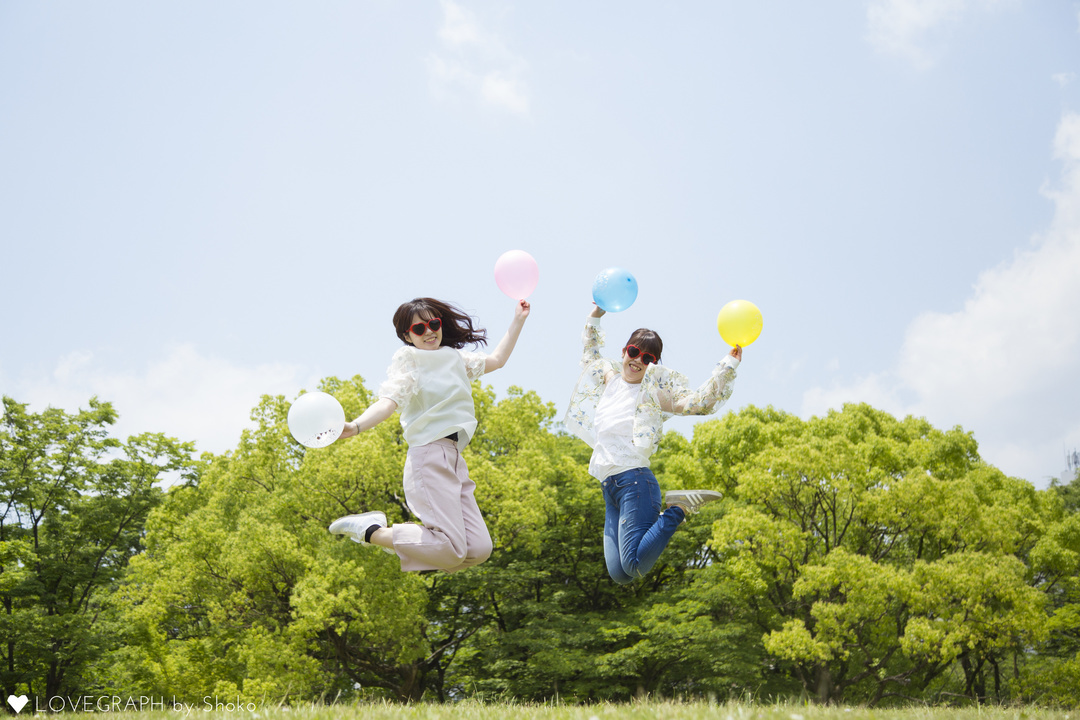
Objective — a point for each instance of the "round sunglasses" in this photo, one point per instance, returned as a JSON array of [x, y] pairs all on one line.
[[422, 327], [632, 351]]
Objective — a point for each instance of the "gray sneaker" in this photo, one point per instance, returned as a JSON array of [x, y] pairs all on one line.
[[355, 527], [691, 500]]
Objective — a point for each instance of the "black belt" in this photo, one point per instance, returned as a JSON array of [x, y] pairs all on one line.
[[451, 436]]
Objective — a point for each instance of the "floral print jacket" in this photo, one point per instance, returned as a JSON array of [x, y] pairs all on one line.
[[664, 393]]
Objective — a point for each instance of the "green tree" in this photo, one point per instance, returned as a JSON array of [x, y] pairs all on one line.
[[878, 554], [242, 591], [1053, 675], [73, 502]]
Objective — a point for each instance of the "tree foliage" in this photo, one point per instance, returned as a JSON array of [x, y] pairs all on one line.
[[855, 557], [73, 502], [241, 590], [882, 556]]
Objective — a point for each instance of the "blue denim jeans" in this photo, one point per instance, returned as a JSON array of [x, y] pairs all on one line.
[[635, 531]]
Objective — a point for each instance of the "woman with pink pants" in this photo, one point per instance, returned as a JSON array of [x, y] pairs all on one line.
[[430, 382]]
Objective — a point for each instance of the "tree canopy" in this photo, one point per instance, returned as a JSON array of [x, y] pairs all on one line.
[[73, 503], [855, 557]]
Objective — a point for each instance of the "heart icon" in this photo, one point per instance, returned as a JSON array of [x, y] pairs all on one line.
[[17, 702]]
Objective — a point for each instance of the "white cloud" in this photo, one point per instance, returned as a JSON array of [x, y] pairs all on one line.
[[476, 63], [1006, 365], [507, 92], [914, 29], [459, 26], [1064, 78], [184, 394]]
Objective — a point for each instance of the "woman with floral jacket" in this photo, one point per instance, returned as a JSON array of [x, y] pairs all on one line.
[[619, 409]]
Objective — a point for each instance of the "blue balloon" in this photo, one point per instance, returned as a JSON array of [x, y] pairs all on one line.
[[614, 289]]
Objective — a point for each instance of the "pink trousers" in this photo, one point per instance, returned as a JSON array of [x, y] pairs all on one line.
[[439, 492]]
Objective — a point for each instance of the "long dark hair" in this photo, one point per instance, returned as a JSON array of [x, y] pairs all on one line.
[[648, 341], [457, 326]]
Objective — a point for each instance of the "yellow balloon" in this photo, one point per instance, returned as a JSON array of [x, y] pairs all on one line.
[[739, 322]]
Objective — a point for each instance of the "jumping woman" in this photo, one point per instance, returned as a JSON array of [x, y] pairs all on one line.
[[430, 382], [619, 408]]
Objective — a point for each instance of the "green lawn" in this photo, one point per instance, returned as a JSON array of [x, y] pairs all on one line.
[[637, 710]]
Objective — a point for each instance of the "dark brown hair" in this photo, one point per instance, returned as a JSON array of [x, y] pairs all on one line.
[[457, 326], [647, 340]]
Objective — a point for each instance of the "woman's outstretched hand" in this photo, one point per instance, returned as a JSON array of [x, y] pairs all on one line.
[[521, 310], [736, 352]]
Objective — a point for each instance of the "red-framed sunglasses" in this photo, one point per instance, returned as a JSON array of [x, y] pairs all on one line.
[[422, 327], [632, 351]]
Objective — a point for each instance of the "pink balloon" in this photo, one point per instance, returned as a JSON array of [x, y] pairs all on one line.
[[516, 274]]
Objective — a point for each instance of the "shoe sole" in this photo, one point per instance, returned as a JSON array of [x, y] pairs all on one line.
[[691, 501], [340, 522]]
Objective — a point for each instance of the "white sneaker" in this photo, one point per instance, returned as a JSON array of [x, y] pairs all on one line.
[[691, 500], [355, 527]]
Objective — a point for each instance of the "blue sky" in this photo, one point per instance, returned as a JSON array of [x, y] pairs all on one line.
[[204, 202]]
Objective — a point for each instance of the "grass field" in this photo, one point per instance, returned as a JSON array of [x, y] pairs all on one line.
[[637, 710]]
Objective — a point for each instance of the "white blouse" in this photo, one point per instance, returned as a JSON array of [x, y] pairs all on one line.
[[614, 450], [433, 392], [663, 393]]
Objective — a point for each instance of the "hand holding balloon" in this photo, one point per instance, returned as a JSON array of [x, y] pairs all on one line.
[[522, 310]]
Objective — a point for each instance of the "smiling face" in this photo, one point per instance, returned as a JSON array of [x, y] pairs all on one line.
[[644, 344], [429, 339], [635, 361]]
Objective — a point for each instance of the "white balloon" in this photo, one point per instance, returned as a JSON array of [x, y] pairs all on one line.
[[316, 419]]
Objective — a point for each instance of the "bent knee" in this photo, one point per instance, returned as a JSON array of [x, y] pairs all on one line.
[[478, 553]]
